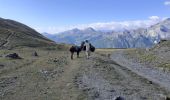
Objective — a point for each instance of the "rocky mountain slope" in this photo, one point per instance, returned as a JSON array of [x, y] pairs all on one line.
[[139, 38], [13, 34]]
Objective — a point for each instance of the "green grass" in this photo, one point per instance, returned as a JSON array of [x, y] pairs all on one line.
[[164, 65], [147, 58]]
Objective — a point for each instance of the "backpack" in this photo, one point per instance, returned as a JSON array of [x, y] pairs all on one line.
[[92, 48]]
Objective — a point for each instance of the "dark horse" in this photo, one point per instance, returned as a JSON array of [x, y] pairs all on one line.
[[77, 49]]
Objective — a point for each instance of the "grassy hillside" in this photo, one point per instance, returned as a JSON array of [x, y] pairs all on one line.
[[14, 34], [158, 56]]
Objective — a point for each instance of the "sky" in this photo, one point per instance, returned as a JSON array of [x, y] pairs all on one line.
[[54, 16]]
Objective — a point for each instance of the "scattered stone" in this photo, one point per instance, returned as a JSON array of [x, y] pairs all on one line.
[[147, 49], [161, 41], [112, 90], [1, 66], [14, 56], [109, 55], [35, 54], [87, 89], [96, 95], [5, 82], [119, 98], [44, 71], [164, 97], [56, 60], [150, 82], [167, 98]]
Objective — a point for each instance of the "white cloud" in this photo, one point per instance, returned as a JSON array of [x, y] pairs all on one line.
[[51, 29], [167, 3], [114, 25], [154, 18]]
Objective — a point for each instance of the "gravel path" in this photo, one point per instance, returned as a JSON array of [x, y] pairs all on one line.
[[104, 79], [157, 76]]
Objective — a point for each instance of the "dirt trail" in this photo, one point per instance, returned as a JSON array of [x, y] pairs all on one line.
[[8, 39], [66, 84], [57, 77]]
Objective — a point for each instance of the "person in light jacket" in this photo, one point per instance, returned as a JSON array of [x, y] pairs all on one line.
[[87, 50]]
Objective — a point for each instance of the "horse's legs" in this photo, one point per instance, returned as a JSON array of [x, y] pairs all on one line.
[[78, 54], [72, 55]]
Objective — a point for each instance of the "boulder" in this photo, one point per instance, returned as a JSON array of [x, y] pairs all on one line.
[[35, 54], [13, 56], [119, 98]]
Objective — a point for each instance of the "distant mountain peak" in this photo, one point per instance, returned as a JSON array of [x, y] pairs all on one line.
[[89, 29], [168, 19], [75, 29]]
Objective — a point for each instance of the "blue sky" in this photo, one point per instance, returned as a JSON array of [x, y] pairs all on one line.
[[59, 15]]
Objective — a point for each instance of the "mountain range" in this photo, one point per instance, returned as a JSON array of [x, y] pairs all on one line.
[[139, 38]]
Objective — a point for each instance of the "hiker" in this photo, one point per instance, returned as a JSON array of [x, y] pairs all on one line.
[[87, 48]]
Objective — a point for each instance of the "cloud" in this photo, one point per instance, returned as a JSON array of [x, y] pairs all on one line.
[[51, 29], [167, 3], [107, 26], [154, 18]]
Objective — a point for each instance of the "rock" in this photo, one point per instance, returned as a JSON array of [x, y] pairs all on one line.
[[150, 82], [35, 54], [109, 55], [55, 60], [1, 65], [163, 40], [167, 98], [112, 90], [14, 56], [96, 95], [5, 82], [119, 98]]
